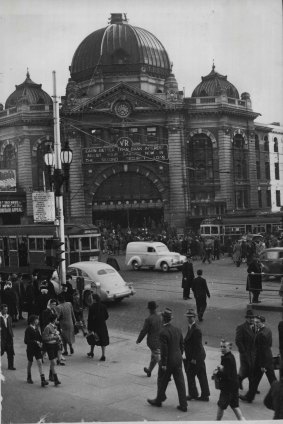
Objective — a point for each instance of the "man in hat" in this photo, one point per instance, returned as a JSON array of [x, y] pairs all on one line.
[[201, 292], [171, 347], [187, 277], [245, 341], [151, 329], [195, 360]]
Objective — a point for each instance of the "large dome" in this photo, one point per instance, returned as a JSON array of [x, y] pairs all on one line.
[[28, 93], [117, 48], [214, 84]]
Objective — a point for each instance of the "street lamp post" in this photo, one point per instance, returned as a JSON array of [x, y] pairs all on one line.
[[57, 158]]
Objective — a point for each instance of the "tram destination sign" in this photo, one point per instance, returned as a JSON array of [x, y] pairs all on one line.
[[132, 153]]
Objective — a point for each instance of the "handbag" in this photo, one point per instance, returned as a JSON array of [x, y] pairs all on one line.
[[216, 377], [92, 339]]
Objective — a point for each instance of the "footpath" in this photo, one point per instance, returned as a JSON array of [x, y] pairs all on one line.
[[115, 390]]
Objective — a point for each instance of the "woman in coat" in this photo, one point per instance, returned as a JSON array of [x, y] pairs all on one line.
[[66, 318], [97, 317]]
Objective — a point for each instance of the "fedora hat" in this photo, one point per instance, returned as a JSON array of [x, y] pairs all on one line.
[[152, 305], [190, 313], [249, 314], [167, 313]]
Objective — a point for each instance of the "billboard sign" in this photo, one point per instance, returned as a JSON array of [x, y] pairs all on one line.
[[8, 180]]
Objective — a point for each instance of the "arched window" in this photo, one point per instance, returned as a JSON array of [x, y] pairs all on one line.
[[239, 158], [200, 158], [9, 157], [266, 144], [275, 145]]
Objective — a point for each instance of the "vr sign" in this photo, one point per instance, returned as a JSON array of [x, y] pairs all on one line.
[[124, 143]]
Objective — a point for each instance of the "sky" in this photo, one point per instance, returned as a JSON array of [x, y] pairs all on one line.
[[243, 37]]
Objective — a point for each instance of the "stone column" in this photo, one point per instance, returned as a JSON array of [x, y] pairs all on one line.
[[178, 200], [226, 175], [25, 174]]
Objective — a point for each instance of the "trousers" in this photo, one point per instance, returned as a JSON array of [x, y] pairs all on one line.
[[163, 379]]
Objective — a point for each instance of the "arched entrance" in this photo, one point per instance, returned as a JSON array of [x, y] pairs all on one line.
[[129, 199]]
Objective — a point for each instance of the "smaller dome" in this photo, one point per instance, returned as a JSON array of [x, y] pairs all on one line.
[[28, 93], [214, 84]]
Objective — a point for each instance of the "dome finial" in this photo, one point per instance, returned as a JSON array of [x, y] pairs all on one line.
[[28, 75], [213, 66]]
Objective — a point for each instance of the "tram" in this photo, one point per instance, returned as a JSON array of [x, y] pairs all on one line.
[[23, 247], [236, 227]]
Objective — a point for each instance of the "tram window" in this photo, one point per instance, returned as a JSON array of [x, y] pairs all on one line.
[[214, 230], [206, 230], [93, 241], [13, 243], [32, 244], [74, 244], [1, 244], [40, 244], [85, 243]]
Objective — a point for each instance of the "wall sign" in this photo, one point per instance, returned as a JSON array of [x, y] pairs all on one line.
[[134, 153], [11, 206], [43, 206]]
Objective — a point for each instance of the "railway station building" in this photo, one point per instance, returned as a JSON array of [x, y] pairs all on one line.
[[144, 155]]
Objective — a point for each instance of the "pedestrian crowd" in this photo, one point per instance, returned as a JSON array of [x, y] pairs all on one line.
[[53, 320], [173, 353]]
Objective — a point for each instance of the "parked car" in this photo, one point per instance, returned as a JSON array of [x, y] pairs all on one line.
[[152, 254], [100, 278], [272, 262]]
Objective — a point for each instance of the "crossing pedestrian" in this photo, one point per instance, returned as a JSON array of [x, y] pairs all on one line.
[[151, 329], [33, 340], [97, 317], [52, 340], [187, 277], [66, 318], [229, 388], [171, 347], [254, 280], [7, 336], [201, 292], [195, 360], [245, 341]]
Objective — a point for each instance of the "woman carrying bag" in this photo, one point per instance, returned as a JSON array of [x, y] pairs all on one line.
[[97, 327]]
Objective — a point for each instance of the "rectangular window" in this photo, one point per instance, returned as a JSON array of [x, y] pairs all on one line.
[[151, 133], [85, 243], [258, 170], [268, 198], [259, 198], [134, 134], [74, 244], [278, 198], [276, 170], [32, 244], [267, 170], [13, 245]]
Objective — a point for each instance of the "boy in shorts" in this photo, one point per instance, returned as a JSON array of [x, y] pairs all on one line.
[[33, 341], [52, 341], [229, 383]]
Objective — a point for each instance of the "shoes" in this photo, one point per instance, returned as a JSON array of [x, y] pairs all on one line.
[[90, 354], [204, 399], [71, 350], [200, 319], [147, 371], [182, 408], [29, 380], [153, 402], [102, 358], [191, 398], [245, 398], [258, 392]]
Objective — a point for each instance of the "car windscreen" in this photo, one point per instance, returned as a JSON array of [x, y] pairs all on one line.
[[161, 249]]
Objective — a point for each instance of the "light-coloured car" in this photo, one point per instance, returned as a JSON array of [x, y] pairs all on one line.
[[152, 254], [100, 278], [272, 262]]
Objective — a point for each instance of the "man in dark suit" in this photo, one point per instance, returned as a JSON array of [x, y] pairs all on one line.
[[263, 358], [254, 280], [7, 344], [280, 335], [201, 292], [245, 341], [187, 278], [151, 329], [195, 360], [172, 347]]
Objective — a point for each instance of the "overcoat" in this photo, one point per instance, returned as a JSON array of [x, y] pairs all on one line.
[[193, 344], [97, 317], [171, 346], [151, 329], [67, 320], [245, 341], [7, 336], [263, 344], [187, 275], [254, 280]]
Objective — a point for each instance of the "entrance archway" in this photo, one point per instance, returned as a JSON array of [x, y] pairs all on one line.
[[129, 199]]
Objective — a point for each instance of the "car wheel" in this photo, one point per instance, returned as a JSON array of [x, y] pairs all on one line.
[[164, 267], [135, 266]]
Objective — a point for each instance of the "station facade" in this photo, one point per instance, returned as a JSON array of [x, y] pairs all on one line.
[[143, 154]]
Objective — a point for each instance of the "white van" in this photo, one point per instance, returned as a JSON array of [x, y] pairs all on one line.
[[152, 254]]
